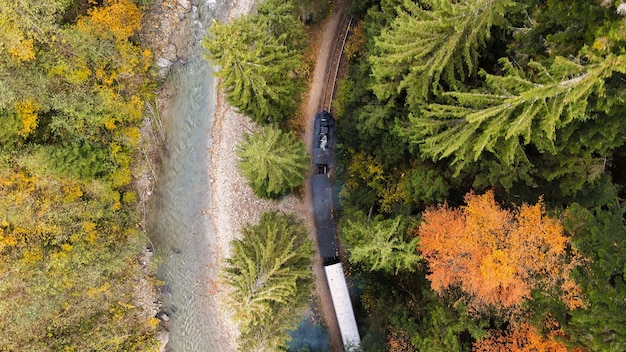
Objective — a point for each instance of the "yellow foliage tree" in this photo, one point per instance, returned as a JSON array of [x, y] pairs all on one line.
[[27, 112], [120, 18], [365, 171], [26, 24], [22, 49]]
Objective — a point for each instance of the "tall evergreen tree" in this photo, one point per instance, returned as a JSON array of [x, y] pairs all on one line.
[[600, 234], [270, 273], [279, 15], [515, 109], [258, 63], [431, 42], [380, 244], [272, 161]]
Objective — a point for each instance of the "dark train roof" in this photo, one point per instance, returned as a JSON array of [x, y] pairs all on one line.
[[324, 221], [324, 138], [322, 157]]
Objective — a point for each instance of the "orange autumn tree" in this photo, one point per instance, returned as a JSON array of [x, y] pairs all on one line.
[[519, 338], [497, 256]]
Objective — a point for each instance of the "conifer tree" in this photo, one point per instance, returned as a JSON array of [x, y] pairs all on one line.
[[282, 23], [380, 244], [600, 234], [518, 108], [259, 65], [270, 273], [272, 161], [437, 41]]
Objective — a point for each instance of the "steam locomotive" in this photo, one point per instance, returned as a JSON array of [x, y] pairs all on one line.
[[323, 156]]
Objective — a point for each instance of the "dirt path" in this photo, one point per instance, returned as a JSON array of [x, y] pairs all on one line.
[[313, 106]]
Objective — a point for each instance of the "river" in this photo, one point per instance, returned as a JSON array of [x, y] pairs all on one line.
[[178, 221]]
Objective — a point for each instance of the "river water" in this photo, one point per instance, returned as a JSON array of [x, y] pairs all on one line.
[[178, 222]]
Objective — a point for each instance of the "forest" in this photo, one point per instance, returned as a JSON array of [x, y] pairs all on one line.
[[480, 166], [482, 176], [73, 83]]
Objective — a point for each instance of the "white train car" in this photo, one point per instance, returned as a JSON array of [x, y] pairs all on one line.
[[343, 307]]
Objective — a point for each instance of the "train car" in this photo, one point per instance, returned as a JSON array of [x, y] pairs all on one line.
[[324, 219], [343, 307], [323, 150]]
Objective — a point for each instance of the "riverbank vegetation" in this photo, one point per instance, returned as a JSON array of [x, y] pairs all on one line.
[[488, 137], [263, 74], [73, 82]]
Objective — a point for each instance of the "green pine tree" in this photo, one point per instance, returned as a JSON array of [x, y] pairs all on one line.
[[518, 108], [434, 42], [280, 17], [259, 68], [380, 244], [600, 235], [272, 161], [270, 273]]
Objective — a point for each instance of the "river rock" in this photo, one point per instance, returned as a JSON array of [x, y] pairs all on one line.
[[164, 66], [163, 337], [184, 4], [164, 63], [170, 52]]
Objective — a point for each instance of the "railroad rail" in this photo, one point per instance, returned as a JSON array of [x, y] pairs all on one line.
[[333, 67]]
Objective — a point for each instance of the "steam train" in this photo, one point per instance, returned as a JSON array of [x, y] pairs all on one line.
[[323, 163]]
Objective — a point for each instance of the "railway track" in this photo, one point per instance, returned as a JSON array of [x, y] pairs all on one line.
[[333, 67]]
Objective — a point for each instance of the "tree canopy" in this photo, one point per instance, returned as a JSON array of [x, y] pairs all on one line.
[[522, 100], [520, 338], [270, 273], [495, 256], [601, 236], [73, 81], [260, 61], [433, 42], [380, 244], [522, 106], [272, 161]]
